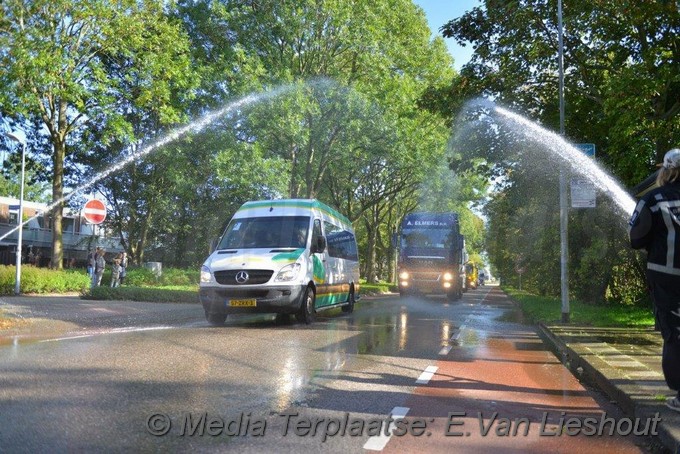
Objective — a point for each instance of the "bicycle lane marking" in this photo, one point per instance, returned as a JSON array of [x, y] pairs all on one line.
[[508, 393]]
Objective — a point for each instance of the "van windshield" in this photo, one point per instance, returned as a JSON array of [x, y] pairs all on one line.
[[266, 232]]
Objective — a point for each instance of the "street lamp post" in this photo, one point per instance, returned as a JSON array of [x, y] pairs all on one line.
[[17, 283]]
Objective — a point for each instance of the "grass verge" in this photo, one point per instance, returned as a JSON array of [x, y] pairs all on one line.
[[549, 311], [378, 288]]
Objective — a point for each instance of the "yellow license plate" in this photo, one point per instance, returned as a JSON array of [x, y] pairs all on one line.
[[243, 303]]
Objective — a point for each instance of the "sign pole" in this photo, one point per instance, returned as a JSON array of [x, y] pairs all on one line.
[[564, 209]]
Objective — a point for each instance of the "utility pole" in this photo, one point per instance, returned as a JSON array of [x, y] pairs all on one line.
[[564, 207]]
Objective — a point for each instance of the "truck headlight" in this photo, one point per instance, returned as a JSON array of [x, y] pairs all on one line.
[[448, 276], [288, 272], [403, 275], [206, 275]]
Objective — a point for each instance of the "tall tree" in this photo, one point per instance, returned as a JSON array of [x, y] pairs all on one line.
[[622, 71], [63, 61]]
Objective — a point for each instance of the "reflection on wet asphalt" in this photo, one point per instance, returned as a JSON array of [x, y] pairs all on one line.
[[92, 385]]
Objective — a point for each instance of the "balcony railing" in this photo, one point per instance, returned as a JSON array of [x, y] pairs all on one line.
[[73, 241]]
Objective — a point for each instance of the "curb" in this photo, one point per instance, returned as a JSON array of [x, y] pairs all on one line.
[[590, 371]]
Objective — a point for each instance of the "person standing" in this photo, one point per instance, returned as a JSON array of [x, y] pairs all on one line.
[[115, 271], [123, 267], [655, 227], [91, 256], [99, 265]]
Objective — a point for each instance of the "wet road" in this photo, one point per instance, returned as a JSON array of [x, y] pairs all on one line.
[[464, 376]]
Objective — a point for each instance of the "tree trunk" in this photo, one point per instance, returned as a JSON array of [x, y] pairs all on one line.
[[57, 194]]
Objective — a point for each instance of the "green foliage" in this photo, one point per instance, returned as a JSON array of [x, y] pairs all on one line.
[[377, 288], [42, 280], [144, 277], [153, 295], [548, 310]]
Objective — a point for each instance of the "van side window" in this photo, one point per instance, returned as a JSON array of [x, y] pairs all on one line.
[[341, 243]]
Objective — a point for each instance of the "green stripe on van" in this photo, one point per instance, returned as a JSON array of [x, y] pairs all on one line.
[[330, 298], [297, 203], [288, 256]]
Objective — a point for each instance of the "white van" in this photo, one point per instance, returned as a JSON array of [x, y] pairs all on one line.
[[293, 256]]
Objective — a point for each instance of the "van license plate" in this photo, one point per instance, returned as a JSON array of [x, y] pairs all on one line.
[[242, 303]]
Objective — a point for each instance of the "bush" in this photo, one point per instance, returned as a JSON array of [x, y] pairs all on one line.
[[43, 280], [152, 295], [144, 277]]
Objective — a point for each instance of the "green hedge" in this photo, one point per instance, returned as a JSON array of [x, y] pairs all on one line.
[[43, 280], [143, 277], [148, 294]]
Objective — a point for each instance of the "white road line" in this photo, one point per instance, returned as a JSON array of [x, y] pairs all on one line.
[[427, 375], [131, 329], [460, 330], [445, 350], [378, 442]]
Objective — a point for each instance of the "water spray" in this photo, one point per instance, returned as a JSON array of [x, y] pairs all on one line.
[[195, 126]]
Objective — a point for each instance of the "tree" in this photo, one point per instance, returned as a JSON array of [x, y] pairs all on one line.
[[622, 72], [622, 92], [63, 61]]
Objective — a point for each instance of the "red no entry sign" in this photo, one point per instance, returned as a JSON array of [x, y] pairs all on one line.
[[94, 211]]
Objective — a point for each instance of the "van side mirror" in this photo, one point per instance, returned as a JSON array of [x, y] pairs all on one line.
[[213, 245], [319, 245], [394, 240]]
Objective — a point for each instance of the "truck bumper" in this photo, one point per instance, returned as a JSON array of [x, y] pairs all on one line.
[[275, 299]]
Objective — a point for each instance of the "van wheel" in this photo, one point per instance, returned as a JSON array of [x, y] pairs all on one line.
[[349, 307], [216, 319], [306, 312]]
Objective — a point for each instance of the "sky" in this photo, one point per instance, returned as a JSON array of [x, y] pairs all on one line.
[[438, 13]]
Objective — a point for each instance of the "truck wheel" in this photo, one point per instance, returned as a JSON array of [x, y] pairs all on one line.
[[307, 311], [216, 319], [349, 307]]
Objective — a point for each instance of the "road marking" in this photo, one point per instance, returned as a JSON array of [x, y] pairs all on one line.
[[445, 350], [460, 330], [378, 442], [66, 338], [131, 329], [427, 375]]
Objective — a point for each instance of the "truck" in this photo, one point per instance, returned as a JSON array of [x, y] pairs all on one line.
[[292, 256], [431, 254]]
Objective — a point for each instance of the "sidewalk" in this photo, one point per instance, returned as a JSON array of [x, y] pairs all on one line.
[[625, 363]]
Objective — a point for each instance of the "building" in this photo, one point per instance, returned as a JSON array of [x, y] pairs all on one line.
[[78, 235]]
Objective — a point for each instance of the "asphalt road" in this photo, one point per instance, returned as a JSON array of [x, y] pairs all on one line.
[[465, 376]]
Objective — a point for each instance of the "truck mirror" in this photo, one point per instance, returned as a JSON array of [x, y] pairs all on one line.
[[319, 245], [213, 245]]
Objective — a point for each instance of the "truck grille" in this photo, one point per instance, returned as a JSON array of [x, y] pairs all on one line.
[[228, 277], [425, 276]]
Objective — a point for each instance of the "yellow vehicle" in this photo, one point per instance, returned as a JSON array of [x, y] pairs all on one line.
[[471, 276]]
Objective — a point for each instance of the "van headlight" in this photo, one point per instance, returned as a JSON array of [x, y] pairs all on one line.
[[404, 275], [206, 275], [448, 276], [288, 272]]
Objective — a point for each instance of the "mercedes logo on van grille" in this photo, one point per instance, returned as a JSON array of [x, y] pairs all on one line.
[[242, 277]]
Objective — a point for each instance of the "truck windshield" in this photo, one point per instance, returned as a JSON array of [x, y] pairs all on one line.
[[427, 238], [266, 232]]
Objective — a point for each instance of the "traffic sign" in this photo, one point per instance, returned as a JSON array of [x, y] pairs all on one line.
[[583, 193], [588, 149], [94, 211]]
